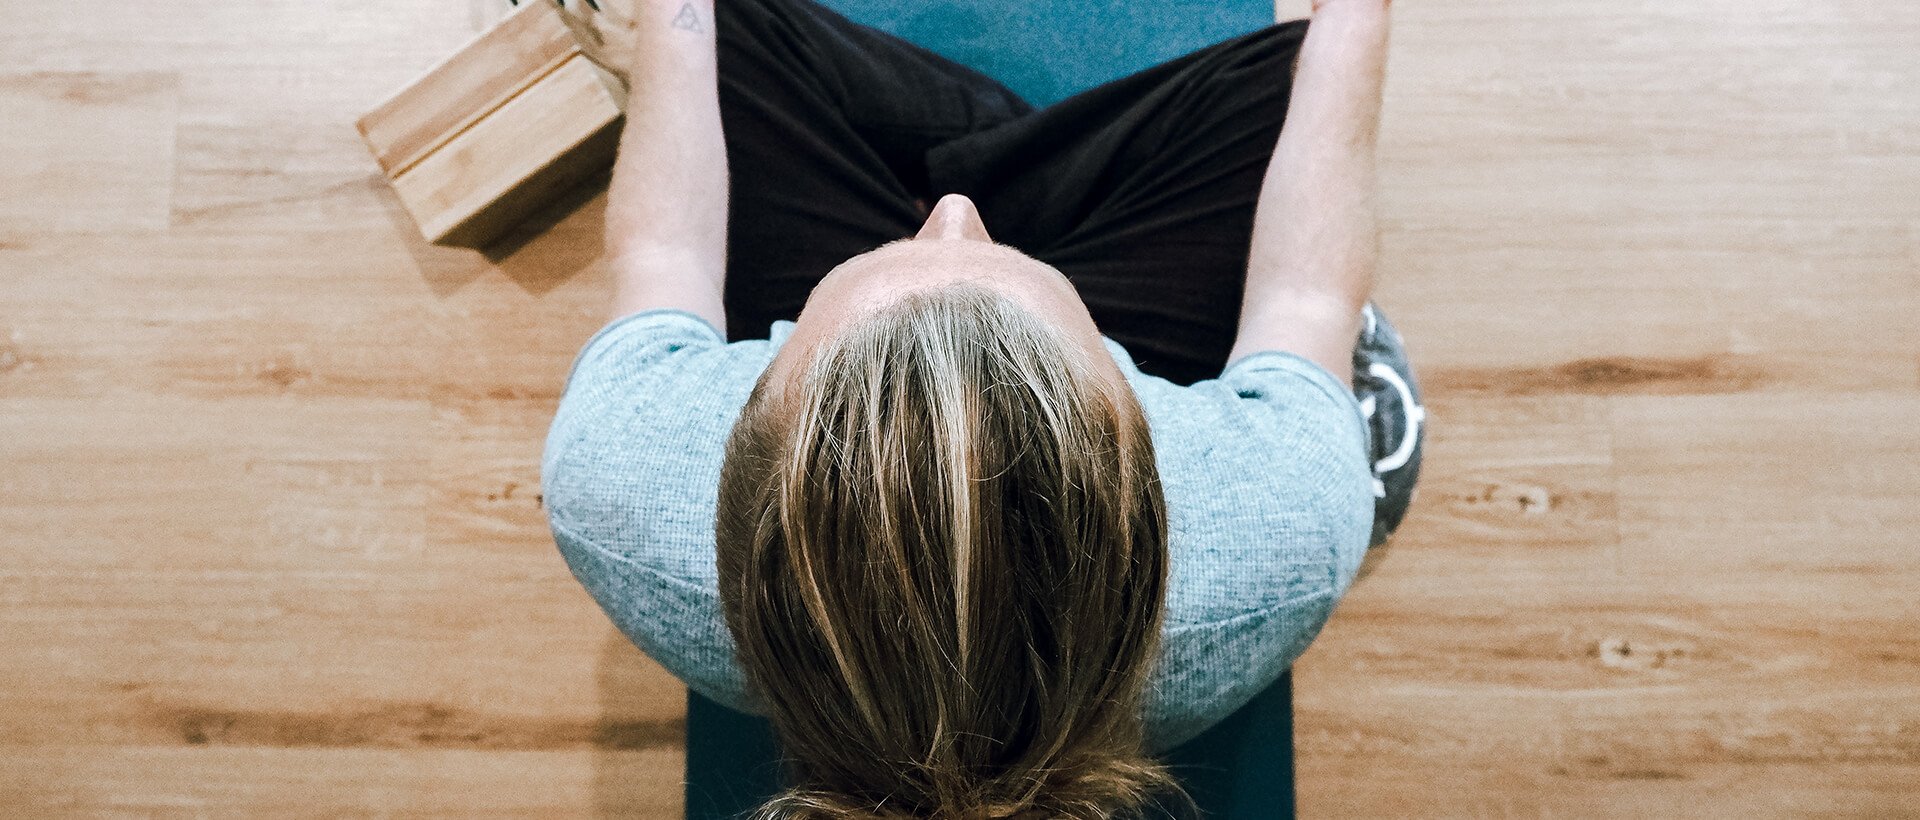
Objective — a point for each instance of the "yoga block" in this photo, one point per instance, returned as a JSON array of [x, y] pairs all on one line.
[[497, 130]]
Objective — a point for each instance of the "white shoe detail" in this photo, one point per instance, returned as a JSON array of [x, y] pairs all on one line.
[[1415, 415]]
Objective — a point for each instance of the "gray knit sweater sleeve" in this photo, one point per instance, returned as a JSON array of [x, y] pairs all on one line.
[[1269, 502]]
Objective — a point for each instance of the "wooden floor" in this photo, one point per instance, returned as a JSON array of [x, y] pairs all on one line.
[[270, 533]]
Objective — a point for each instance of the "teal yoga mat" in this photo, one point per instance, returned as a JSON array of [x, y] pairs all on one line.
[[1240, 769], [1048, 50]]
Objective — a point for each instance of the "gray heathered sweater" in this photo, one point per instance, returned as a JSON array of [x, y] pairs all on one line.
[[1264, 469]]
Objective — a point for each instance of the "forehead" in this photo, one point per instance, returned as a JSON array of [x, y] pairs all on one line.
[[879, 277], [906, 264]]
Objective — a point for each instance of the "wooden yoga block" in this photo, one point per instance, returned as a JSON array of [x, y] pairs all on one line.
[[497, 130]]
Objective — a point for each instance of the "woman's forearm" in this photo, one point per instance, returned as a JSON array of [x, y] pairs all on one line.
[[1315, 236], [666, 228]]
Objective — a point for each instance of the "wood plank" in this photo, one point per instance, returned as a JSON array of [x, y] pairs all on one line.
[[1412, 785], [198, 657], [380, 45], [221, 598], [273, 150], [1744, 694], [276, 482], [86, 151], [1666, 303], [1696, 219], [92, 781], [1697, 197], [157, 315], [116, 643], [1517, 490], [1831, 491]]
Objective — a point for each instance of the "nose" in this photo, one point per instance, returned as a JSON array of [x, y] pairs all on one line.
[[954, 218]]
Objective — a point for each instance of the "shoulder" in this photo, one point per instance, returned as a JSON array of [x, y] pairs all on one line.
[[1270, 506], [630, 475], [1262, 466], [632, 457], [648, 344]]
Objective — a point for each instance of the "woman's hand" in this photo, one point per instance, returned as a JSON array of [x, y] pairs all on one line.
[[605, 33]]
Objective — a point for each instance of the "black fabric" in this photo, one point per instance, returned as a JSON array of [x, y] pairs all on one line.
[[1141, 191]]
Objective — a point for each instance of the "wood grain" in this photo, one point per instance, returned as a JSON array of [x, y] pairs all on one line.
[[271, 541], [553, 133], [1516, 510], [1665, 250], [1831, 492], [93, 149], [277, 782], [469, 85]]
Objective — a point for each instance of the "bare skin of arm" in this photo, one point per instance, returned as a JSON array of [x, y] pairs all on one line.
[[666, 223], [1315, 235]]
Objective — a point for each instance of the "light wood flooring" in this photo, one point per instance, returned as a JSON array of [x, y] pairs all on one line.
[[270, 534]]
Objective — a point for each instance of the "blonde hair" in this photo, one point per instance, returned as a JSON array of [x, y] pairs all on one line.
[[943, 559]]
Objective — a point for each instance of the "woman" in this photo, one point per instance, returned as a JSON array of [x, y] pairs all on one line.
[[981, 520]]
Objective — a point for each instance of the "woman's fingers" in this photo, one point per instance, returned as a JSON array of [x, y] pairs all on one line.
[[615, 15], [589, 27], [583, 31]]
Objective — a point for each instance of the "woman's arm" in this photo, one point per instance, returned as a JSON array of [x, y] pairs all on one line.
[[1315, 239], [666, 228]]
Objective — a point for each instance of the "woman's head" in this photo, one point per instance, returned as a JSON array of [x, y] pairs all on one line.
[[942, 553]]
